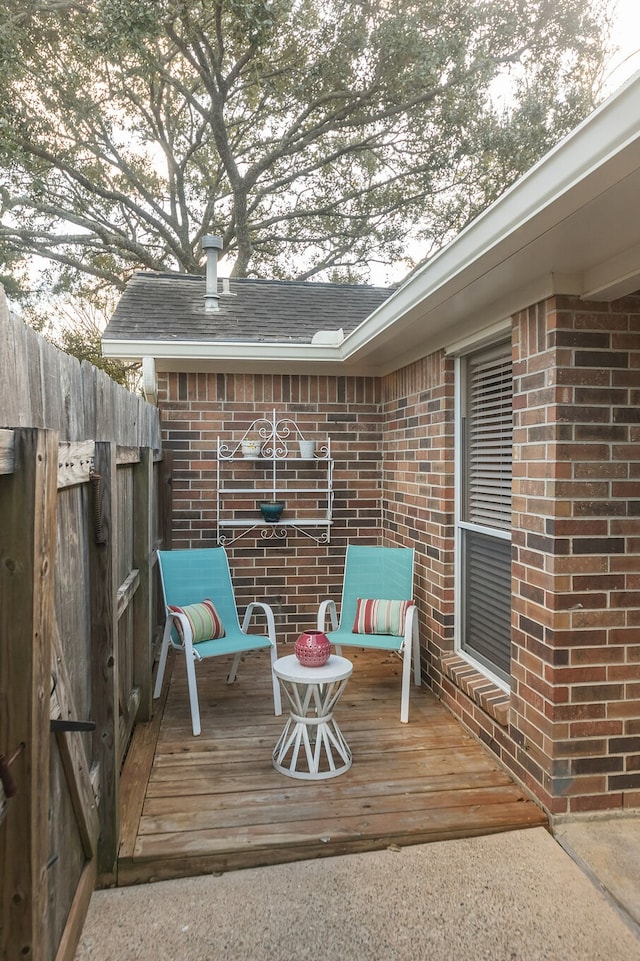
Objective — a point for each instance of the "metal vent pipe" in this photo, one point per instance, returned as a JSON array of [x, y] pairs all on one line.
[[211, 245]]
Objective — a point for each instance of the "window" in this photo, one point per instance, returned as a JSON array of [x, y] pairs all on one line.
[[483, 516]]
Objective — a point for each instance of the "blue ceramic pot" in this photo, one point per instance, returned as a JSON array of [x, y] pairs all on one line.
[[271, 510]]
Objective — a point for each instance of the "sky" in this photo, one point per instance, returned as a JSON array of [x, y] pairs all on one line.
[[626, 35]]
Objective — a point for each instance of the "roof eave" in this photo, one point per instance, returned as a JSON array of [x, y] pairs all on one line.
[[228, 356]]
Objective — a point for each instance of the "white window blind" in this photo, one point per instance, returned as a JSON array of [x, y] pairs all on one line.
[[489, 428], [485, 545]]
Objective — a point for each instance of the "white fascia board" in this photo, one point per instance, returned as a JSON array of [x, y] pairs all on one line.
[[219, 351], [502, 228]]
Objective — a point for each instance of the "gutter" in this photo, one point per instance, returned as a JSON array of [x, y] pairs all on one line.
[[220, 350]]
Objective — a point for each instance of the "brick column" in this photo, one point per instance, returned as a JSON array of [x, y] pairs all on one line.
[[575, 716]]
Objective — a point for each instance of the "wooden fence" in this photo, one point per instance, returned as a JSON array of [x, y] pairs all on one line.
[[84, 502]]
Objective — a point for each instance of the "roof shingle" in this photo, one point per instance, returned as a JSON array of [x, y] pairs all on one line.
[[170, 307]]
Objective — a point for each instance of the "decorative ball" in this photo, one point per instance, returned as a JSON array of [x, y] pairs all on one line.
[[313, 648]]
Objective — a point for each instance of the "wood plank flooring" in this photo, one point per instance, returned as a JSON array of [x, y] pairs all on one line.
[[197, 805]]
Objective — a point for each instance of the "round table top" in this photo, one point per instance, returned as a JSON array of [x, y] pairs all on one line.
[[289, 668]]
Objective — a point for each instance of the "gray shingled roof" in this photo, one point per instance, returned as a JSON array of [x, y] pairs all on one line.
[[170, 307]]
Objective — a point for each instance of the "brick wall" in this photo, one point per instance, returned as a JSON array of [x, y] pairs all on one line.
[[570, 729], [296, 573], [576, 663], [418, 494]]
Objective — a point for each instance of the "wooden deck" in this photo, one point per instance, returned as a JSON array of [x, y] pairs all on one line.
[[196, 805]]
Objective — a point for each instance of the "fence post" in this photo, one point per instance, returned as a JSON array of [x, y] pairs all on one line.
[[104, 652], [28, 498], [143, 597]]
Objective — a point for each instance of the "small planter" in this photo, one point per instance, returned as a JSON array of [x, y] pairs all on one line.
[[307, 449], [251, 449], [271, 510]]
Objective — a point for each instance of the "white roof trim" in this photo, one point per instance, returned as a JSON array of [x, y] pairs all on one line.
[[219, 350], [615, 278]]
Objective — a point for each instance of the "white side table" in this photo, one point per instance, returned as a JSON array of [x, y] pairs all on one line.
[[312, 693]]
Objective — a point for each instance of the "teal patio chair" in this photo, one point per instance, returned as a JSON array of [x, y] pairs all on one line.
[[385, 575], [189, 577]]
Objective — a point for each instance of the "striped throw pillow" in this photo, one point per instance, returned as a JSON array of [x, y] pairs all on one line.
[[203, 619], [380, 617]]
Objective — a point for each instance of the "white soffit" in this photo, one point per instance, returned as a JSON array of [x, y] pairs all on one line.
[[614, 278]]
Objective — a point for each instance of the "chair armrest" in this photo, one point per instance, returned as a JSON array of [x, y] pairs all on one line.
[[267, 611], [187, 633], [327, 609], [410, 625]]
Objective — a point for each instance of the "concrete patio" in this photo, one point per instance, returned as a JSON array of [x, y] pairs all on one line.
[[516, 896]]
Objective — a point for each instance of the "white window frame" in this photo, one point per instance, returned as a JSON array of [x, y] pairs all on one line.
[[461, 352]]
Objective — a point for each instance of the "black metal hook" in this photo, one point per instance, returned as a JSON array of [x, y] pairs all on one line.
[[60, 724]]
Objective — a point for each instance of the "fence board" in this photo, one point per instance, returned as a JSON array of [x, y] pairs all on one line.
[[50, 398], [89, 402], [164, 493], [72, 752], [66, 950], [104, 606], [17, 367], [6, 452], [143, 601], [26, 585], [6, 359]]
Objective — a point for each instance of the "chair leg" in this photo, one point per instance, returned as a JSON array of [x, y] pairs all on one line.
[[193, 693], [162, 663], [406, 677], [417, 669], [234, 669], [277, 700]]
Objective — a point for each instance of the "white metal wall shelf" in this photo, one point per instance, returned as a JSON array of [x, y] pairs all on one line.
[[277, 472]]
